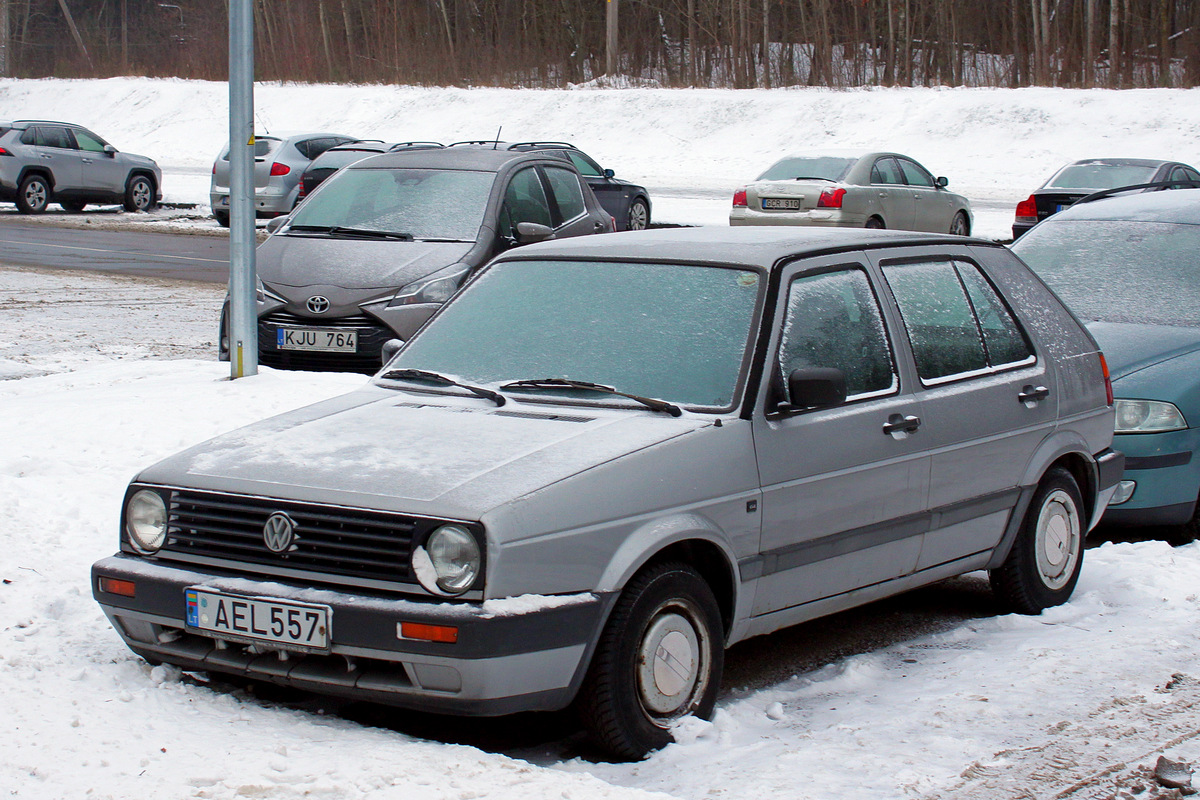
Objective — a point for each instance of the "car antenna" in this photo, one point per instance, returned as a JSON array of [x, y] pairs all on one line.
[[496, 143]]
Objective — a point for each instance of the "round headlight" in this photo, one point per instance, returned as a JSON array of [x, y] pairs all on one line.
[[453, 554], [146, 521]]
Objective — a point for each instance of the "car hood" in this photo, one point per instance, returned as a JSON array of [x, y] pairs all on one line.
[[140, 161], [1129, 348], [299, 261], [423, 454]]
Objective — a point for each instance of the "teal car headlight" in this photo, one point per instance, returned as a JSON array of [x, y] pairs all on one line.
[[1148, 416]]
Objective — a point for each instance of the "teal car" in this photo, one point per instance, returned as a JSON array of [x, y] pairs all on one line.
[[1129, 268]]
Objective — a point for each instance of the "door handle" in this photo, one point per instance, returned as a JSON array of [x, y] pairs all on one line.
[[47, 156], [899, 426], [1031, 395]]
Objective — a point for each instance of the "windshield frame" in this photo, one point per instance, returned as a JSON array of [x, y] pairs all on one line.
[[558, 397]]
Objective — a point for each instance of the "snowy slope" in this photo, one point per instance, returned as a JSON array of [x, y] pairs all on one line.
[[690, 147]]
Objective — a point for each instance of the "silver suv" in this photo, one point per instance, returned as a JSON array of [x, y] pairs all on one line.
[[611, 457], [45, 162]]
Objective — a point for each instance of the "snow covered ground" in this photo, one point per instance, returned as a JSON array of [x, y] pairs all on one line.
[[100, 376], [690, 147]]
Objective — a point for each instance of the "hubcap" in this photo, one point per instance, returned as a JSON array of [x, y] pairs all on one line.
[[141, 194], [672, 669], [637, 217], [35, 195], [1058, 539]]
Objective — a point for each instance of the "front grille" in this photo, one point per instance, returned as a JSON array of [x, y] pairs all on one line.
[[372, 335], [357, 543]]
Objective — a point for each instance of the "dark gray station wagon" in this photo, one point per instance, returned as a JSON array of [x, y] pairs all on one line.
[[609, 458]]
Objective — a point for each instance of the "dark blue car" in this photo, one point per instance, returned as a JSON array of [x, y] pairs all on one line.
[[1129, 267]]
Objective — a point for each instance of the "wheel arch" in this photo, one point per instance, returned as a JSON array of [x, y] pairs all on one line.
[[37, 170], [141, 172]]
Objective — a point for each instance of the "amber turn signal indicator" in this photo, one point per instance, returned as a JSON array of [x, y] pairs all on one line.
[[114, 586], [429, 633]]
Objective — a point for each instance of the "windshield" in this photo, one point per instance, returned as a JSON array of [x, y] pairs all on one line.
[[426, 203], [671, 332], [828, 168], [1119, 271], [1098, 175]]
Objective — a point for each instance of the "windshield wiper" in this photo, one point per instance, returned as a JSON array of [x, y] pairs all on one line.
[[341, 230], [434, 377], [651, 403], [813, 178]]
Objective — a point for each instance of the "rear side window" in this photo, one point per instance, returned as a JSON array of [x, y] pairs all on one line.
[[956, 322], [567, 192], [29, 136], [55, 136], [584, 164], [885, 171], [833, 320]]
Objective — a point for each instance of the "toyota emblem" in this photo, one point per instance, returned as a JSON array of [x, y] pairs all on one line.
[[278, 532], [318, 304]]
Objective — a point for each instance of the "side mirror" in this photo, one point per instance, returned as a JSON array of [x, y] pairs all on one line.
[[942, 183], [816, 387], [530, 232], [110, 151], [608, 173], [390, 348], [276, 223]]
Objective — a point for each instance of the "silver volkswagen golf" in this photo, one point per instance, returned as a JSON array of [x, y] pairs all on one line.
[[611, 457]]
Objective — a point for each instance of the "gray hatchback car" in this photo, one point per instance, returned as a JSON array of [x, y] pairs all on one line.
[[610, 457], [380, 245], [43, 162]]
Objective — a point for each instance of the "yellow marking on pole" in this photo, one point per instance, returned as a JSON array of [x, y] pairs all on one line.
[[240, 371]]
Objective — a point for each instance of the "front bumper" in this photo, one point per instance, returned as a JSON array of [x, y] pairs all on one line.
[[501, 663], [1167, 474]]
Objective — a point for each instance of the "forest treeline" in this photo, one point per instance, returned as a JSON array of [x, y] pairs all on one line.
[[553, 43]]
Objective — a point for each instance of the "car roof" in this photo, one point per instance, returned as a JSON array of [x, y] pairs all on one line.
[[1181, 206], [1120, 162], [468, 157], [761, 246], [22, 123]]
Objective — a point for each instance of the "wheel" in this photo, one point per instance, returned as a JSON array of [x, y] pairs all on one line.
[[33, 195], [139, 194], [960, 226], [222, 218], [1043, 566], [659, 659], [639, 215], [74, 206], [876, 222]]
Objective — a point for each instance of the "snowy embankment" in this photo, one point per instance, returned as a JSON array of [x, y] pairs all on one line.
[[690, 147], [991, 708]]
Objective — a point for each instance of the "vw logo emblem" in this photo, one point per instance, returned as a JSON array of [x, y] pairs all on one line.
[[278, 532], [318, 304]]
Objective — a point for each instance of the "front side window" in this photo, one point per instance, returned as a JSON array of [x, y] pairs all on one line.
[[423, 203], [680, 333], [915, 175], [567, 192], [88, 142], [524, 201], [833, 320], [956, 322]]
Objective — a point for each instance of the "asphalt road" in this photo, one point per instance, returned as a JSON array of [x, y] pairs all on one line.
[[175, 256]]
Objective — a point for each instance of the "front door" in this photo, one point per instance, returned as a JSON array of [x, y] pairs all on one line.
[[844, 488]]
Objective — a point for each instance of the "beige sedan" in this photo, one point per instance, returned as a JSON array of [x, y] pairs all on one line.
[[852, 189]]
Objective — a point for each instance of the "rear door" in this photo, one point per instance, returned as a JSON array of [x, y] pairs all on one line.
[[844, 487], [56, 150], [894, 199], [987, 400]]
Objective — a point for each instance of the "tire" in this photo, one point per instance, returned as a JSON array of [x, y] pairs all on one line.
[[876, 223], [139, 194], [960, 226], [222, 218], [1043, 566], [33, 195], [639, 216], [631, 695], [74, 206]]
